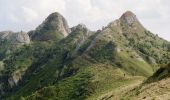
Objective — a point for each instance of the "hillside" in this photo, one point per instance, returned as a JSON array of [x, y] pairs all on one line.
[[63, 63], [156, 87]]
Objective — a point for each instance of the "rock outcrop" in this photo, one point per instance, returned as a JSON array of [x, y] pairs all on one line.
[[54, 27], [129, 18], [13, 38], [9, 41]]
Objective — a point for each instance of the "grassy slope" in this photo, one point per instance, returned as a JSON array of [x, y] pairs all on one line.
[[134, 66], [102, 78], [156, 87], [75, 86]]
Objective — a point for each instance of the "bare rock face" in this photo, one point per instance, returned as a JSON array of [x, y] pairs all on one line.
[[21, 38], [54, 26], [127, 23], [12, 38], [129, 18], [57, 22], [16, 77]]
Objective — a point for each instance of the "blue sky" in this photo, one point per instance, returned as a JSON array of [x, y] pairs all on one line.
[[26, 15]]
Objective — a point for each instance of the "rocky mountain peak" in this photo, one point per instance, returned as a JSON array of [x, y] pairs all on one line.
[[121, 52], [54, 27], [56, 22], [79, 26], [129, 17]]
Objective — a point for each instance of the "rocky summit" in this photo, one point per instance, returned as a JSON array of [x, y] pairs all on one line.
[[54, 26], [129, 18], [121, 61]]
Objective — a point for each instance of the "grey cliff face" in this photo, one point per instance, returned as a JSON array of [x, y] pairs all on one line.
[[21, 38], [18, 38]]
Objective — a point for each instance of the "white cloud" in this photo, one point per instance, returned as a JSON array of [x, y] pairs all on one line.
[[13, 18], [27, 14]]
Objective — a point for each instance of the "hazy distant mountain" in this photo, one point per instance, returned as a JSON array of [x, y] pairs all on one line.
[[63, 63]]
